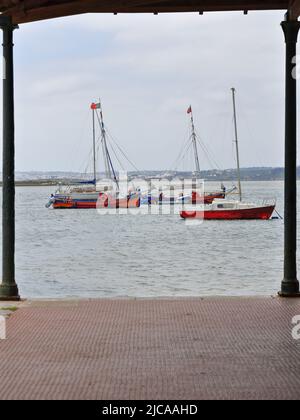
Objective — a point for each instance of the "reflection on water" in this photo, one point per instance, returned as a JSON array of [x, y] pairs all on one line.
[[78, 253]]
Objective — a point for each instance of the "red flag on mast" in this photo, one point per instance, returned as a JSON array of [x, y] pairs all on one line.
[[95, 106], [189, 111]]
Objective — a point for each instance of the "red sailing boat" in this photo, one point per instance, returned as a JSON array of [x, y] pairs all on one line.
[[91, 197], [232, 210]]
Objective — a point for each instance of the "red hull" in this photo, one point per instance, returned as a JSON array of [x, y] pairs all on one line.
[[73, 204], [260, 213], [123, 203]]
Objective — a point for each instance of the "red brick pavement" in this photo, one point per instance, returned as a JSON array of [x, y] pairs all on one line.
[[215, 348]]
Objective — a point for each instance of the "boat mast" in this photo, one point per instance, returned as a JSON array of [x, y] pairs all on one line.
[[194, 139], [237, 143], [104, 145], [94, 146]]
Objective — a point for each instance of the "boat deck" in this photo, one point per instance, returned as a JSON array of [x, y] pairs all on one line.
[[214, 348]]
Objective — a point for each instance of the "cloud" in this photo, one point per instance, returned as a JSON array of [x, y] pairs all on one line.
[[147, 70]]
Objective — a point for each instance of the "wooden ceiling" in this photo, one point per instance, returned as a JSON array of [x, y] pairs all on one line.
[[24, 11]]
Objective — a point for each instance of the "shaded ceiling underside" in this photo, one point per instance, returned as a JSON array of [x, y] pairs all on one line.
[[33, 10]]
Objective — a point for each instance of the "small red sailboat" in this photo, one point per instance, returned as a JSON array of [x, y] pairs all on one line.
[[96, 201], [89, 194], [71, 202], [231, 210], [222, 209]]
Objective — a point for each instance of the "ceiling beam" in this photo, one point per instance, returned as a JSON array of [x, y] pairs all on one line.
[[33, 10]]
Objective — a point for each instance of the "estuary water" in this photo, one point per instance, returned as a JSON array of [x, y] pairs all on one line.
[[79, 253]]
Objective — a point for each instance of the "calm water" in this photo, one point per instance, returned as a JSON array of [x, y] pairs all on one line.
[[77, 253]]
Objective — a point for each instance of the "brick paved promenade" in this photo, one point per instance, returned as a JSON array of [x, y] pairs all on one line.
[[152, 349]]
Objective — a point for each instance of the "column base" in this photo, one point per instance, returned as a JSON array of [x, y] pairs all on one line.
[[9, 293], [290, 289]]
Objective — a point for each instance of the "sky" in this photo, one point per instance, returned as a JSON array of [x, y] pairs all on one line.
[[147, 70]]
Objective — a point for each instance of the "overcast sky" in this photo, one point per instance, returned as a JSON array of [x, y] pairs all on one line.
[[147, 70]]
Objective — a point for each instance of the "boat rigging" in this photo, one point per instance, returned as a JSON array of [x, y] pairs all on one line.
[[223, 209], [81, 196]]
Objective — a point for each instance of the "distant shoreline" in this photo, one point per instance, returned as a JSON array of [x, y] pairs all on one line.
[[52, 179], [36, 183], [55, 184], [40, 183]]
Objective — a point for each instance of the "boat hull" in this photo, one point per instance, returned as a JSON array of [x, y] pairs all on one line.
[[257, 213], [122, 203], [75, 204], [96, 202], [92, 201], [194, 199]]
